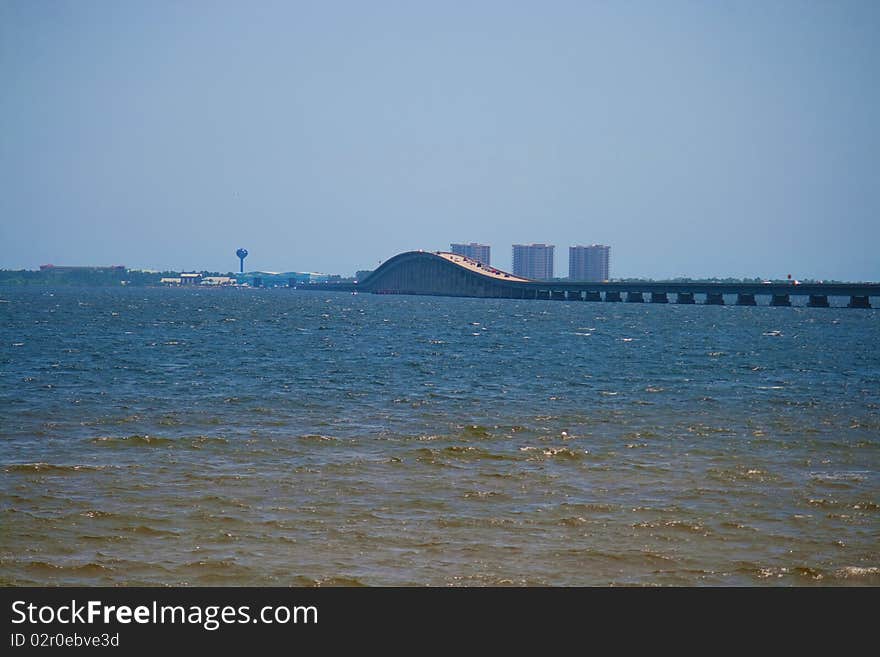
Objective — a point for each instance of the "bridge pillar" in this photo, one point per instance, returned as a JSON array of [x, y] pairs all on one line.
[[780, 300], [558, 295], [685, 297], [818, 301], [746, 300], [714, 299], [612, 296], [659, 297], [635, 297], [543, 294], [592, 296], [859, 302], [575, 295]]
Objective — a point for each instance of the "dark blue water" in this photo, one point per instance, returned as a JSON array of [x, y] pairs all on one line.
[[282, 437]]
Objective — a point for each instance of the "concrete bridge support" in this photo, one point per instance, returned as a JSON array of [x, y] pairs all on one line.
[[659, 297], [685, 297], [746, 300], [859, 302], [818, 301], [612, 296], [780, 300], [592, 296], [635, 297], [714, 299]]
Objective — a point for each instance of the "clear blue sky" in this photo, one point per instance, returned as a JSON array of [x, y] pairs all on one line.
[[696, 138]]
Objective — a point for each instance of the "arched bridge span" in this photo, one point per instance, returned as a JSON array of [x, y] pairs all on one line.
[[445, 274]]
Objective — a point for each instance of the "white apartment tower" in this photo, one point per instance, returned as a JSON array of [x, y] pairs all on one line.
[[589, 263]]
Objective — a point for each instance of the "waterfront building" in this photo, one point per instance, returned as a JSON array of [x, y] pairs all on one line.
[[474, 251], [193, 278], [533, 261], [589, 263], [67, 269], [280, 279]]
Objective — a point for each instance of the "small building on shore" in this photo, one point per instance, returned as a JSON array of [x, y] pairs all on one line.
[[280, 279], [217, 280]]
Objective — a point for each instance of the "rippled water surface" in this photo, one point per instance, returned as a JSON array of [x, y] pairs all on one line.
[[284, 437]]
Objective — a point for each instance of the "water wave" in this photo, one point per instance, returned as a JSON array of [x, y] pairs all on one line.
[[51, 468]]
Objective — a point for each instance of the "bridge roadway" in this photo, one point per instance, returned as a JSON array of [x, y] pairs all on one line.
[[446, 274]]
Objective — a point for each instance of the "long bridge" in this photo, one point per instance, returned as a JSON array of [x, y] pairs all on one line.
[[446, 274]]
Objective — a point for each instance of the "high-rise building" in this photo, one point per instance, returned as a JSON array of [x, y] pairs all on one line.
[[589, 263], [533, 261], [474, 251]]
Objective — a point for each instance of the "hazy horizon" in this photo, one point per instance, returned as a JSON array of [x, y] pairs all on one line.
[[696, 139]]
